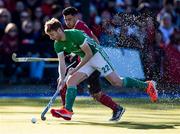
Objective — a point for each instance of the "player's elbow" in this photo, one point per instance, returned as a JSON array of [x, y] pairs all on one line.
[[88, 55]]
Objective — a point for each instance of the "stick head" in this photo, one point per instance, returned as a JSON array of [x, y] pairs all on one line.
[[43, 118]]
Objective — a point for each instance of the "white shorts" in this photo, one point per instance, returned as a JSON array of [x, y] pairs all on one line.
[[97, 62]]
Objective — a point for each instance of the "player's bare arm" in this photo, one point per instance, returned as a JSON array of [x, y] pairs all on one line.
[[88, 54], [61, 67]]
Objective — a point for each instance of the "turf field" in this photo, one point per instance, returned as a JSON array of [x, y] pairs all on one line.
[[141, 117]]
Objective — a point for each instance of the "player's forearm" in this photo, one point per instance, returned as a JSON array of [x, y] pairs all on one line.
[[88, 54], [84, 61], [62, 66], [62, 71]]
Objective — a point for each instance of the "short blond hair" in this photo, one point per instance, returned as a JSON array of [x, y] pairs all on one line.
[[9, 27], [52, 25]]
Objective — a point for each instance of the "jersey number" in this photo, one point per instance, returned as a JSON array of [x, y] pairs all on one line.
[[105, 68]]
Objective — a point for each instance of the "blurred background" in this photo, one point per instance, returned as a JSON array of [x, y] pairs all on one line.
[[142, 35]]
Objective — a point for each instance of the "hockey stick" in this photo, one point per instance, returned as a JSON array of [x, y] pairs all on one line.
[[52, 100], [31, 59]]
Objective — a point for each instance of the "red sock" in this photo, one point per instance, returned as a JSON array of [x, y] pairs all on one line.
[[63, 94], [107, 101]]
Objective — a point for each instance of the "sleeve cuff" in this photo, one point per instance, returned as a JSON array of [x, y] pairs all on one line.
[[83, 42]]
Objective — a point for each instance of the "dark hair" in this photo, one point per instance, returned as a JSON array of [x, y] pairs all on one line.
[[70, 11]]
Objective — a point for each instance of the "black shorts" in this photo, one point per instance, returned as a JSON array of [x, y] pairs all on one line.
[[94, 82]]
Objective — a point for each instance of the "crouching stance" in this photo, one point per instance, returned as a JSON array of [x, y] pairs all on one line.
[[92, 58]]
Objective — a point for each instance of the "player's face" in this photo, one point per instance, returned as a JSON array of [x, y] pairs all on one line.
[[55, 35], [70, 21]]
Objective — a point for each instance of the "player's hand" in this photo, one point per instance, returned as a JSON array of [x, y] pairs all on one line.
[[60, 83], [71, 71], [58, 79]]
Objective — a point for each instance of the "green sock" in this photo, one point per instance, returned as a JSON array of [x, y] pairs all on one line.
[[134, 83], [70, 97]]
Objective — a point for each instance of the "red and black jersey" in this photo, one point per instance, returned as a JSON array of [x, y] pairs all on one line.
[[80, 25]]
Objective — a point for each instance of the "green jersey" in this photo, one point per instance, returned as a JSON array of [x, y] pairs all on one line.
[[74, 40]]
